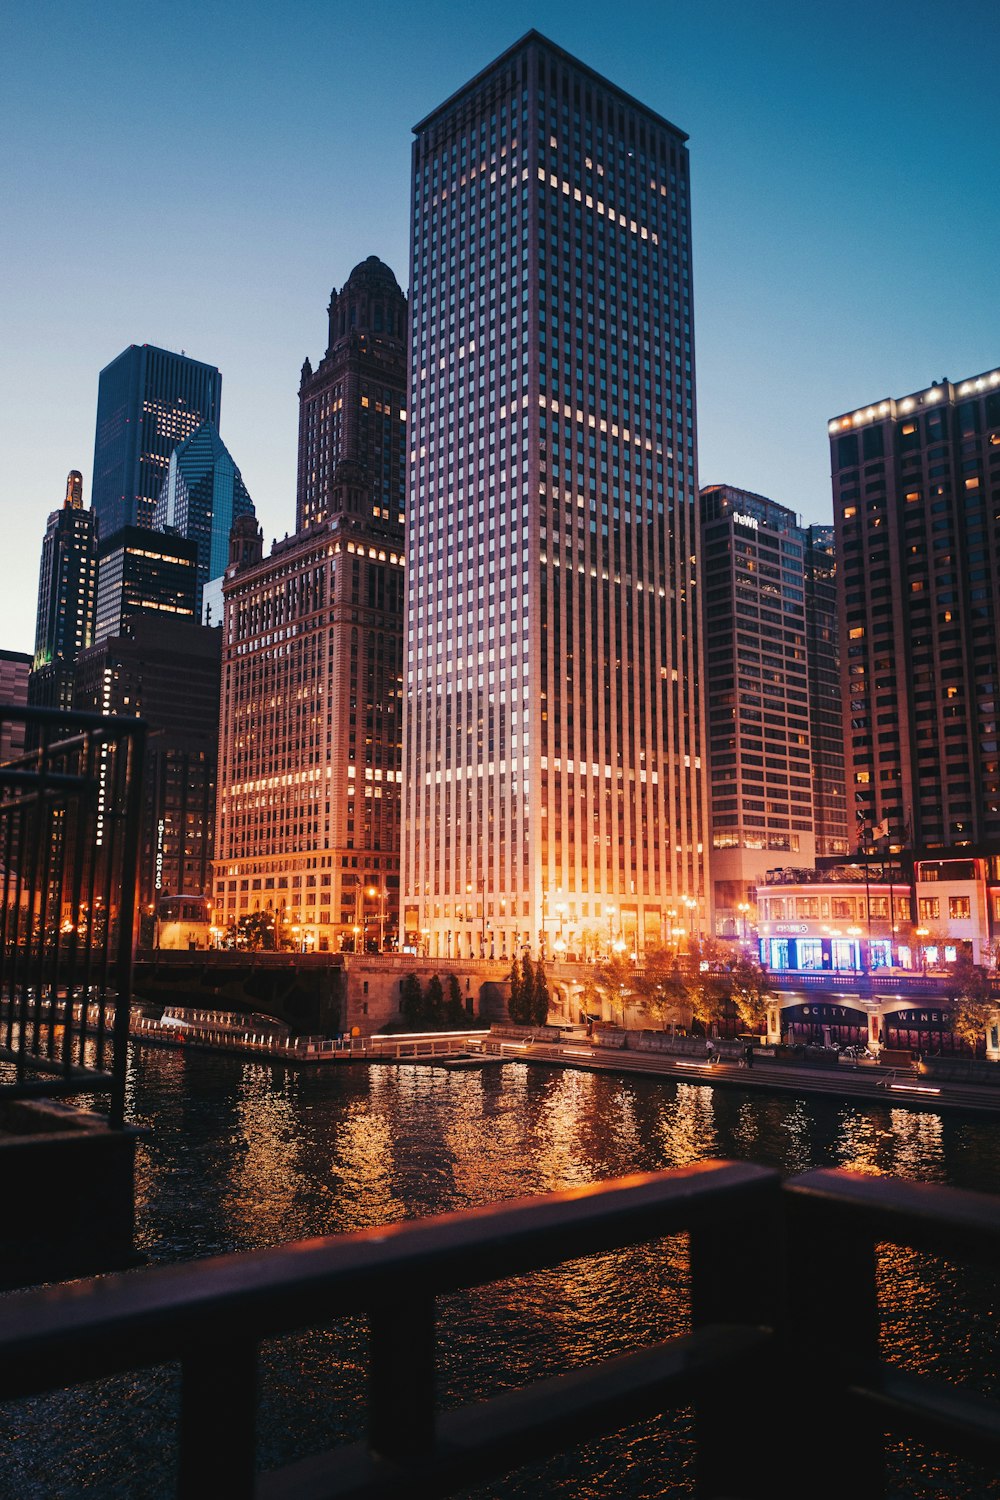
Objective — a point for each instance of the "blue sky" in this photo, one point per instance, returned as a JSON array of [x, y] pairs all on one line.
[[198, 177]]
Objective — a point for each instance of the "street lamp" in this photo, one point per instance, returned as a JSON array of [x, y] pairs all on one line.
[[744, 910], [377, 891], [922, 933], [611, 912]]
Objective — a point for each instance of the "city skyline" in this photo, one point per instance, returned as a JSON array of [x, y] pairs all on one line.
[[828, 199]]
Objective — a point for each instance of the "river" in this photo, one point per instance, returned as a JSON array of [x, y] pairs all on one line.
[[243, 1155]]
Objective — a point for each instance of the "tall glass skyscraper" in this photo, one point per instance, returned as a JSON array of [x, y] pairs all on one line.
[[67, 589], [553, 754], [148, 401], [202, 495]]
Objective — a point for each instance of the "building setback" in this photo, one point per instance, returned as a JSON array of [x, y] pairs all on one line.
[[165, 670], [554, 741], [757, 689], [67, 583], [148, 401], [916, 486], [311, 737]]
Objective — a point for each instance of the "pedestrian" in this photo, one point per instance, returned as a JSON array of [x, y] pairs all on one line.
[[748, 1054], [710, 1050]]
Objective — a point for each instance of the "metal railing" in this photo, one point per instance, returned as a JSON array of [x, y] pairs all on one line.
[[760, 1335], [69, 833]]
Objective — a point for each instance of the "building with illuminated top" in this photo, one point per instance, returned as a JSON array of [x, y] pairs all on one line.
[[67, 583], [916, 490], [554, 782], [311, 728]]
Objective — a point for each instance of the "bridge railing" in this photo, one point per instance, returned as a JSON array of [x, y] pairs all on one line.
[[69, 834]]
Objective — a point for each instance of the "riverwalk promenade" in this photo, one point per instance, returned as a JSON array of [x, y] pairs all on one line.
[[900, 1085]]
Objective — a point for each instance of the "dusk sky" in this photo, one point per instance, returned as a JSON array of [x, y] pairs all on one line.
[[200, 176]]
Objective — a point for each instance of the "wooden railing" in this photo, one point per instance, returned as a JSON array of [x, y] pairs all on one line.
[[783, 1338]]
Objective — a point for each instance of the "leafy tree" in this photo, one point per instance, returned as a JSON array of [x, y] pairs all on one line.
[[540, 997], [661, 985], [708, 994], [454, 1008], [411, 1000], [434, 1002], [750, 992], [976, 1010], [515, 1003], [256, 930], [615, 978]]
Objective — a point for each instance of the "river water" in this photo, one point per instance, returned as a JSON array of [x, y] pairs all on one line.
[[243, 1155]]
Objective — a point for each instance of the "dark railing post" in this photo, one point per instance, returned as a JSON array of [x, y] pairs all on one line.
[[833, 1337], [737, 1278], [218, 1423], [401, 1381]]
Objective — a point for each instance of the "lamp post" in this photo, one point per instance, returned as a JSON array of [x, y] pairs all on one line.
[[744, 910], [611, 912], [922, 933], [378, 891]]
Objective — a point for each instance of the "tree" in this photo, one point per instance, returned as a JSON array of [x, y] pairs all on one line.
[[256, 930], [411, 1000], [708, 994], [454, 1008], [435, 1000], [661, 985], [750, 992], [615, 978], [515, 1003], [975, 1009], [539, 997]]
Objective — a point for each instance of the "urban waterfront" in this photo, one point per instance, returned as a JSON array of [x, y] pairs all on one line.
[[243, 1155]]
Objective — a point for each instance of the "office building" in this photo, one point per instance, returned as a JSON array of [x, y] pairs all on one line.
[[67, 584], [353, 406], [916, 488], [165, 669], [202, 495], [140, 571], [554, 780], [311, 740], [757, 690], [148, 401], [826, 698]]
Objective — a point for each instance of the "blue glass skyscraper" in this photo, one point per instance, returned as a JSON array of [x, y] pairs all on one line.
[[201, 497], [148, 401]]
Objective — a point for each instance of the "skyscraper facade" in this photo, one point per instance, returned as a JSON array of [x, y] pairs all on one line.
[[353, 405], [554, 775], [826, 698], [148, 401], [311, 738], [202, 496], [67, 584], [14, 669], [916, 485], [140, 571], [757, 687], [165, 669]]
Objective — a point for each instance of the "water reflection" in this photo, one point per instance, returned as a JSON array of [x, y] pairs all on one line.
[[244, 1154]]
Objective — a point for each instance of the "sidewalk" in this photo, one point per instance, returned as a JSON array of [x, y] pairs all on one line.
[[892, 1086]]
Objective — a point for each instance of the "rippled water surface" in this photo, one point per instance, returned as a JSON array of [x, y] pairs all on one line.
[[243, 1155]]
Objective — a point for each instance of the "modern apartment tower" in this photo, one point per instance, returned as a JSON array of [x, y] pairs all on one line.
[[311, 738], [148, 401], [553, 752], [826, 698], [67, 586], [757, 689], [202, 495], [916, 488]]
